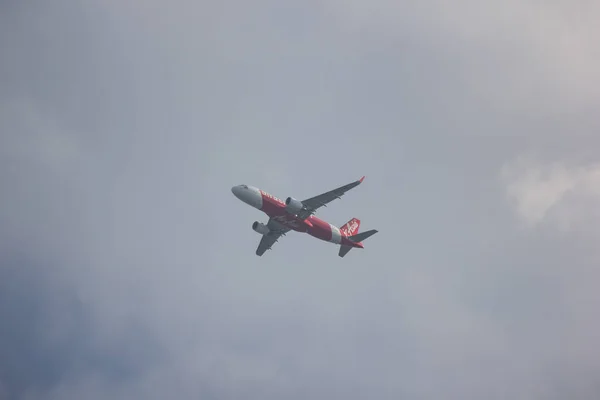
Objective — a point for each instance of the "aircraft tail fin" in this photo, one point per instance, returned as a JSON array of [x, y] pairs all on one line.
[[351, 227]]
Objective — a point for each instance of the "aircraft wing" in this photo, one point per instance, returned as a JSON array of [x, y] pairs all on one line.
[[311, 205], [268, 240]]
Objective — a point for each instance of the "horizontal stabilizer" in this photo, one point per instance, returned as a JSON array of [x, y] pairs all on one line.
[[344, 250], [359, 237]]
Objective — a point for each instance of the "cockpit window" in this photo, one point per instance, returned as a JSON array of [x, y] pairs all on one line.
[[245, 186]]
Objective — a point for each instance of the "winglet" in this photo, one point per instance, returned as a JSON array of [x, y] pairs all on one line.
[[361, 179]]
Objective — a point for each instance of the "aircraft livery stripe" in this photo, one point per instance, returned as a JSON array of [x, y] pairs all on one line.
[[336, 236]]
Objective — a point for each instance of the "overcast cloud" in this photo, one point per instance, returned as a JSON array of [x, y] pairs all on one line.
[[127, 267]]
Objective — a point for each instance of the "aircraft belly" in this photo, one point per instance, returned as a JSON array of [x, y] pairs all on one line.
[[271, 208], [320, 230], [286, 220]]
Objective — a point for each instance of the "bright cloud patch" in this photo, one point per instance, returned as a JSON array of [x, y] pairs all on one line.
[[538, 191]]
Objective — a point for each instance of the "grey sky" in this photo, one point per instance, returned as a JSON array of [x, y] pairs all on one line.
[[127, 267]]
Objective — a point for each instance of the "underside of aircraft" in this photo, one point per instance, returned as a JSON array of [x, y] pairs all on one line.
[[293, 214]]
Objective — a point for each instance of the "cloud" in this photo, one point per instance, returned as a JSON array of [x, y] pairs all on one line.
[[513, 56], [32, 137], [565, 194], [49, 336], [559, 201], [128, 270]]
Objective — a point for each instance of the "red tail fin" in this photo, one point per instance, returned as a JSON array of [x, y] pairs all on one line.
[[351, 227]]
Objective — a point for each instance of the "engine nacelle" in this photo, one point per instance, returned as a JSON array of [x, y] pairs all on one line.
[[293, 206], [260, 228]]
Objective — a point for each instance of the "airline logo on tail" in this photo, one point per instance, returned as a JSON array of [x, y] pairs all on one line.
[[351, 227]]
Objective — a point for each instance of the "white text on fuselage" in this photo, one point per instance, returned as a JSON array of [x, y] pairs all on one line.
[[270, 196]]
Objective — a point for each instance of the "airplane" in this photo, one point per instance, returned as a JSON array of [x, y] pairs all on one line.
[[296, 215]]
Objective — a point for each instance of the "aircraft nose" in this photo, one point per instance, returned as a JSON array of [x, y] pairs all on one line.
[[236, 191]]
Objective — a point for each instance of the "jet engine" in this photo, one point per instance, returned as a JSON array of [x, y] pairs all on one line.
[[260, 228], [293, 206]]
